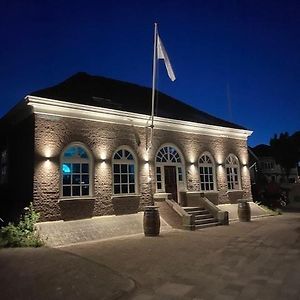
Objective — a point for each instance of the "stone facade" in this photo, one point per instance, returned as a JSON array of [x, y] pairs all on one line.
[[54, 134]]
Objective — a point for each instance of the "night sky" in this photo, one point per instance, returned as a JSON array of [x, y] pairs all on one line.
[[245, 51]]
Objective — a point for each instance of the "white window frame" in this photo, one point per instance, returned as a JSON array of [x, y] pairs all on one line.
[[207, 177], [124, 161], [232, 167], [77, 160], [176, 161]]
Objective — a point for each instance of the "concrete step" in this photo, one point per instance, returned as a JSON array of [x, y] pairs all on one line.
[[200, 226], [197, 212], [204, 216], [205, 221], [190, 209]]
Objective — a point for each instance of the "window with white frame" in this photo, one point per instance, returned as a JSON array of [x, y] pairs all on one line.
[[233, 172], [3, 167], [76, 172], [124, 172], [158, 178], [167, 155], [207, 173]]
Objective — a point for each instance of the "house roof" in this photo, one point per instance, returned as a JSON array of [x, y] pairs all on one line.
[[262, 150], [83, 88]]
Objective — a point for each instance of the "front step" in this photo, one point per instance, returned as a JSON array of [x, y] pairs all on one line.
[[202, 217], [201, 226], [205, 221]]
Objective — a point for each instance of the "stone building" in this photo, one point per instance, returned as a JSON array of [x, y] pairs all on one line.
[[84, 148]]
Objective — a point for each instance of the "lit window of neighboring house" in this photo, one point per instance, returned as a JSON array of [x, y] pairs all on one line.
[[207, 173], [76, 172], [233, 172], [3, 167], [124, 173]]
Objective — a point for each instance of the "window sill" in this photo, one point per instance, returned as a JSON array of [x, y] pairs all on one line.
[[161, 194], [125, 196], [83, 198], [234, 191]]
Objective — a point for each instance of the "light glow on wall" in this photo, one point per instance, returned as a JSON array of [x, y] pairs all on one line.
[[48, 152], [48, 166], [244, 160], [219, 159], [193, 168], [103, 155], [192, 158], [146, 155]]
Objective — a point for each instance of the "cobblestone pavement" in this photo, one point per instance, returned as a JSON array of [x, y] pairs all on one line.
[[59, 233], [256, 260], [62, 233]]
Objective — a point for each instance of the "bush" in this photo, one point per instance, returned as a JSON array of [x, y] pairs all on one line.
[[24, 234]]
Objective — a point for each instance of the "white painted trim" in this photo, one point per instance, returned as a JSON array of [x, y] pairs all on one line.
[[238, 166], [45, 106], [127, 162], [169, 163], [68, 160], [213, 165]]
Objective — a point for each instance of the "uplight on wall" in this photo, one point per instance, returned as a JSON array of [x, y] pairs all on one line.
[[103, 155], [47, 152], [146, 156]]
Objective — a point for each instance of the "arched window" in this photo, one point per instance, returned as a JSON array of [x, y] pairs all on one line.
[[233, 172], [124, 172], [207, 173], [76, 172], [167, 156]]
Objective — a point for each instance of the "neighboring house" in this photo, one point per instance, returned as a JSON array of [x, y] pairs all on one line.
[[84, 145], [267, 166]]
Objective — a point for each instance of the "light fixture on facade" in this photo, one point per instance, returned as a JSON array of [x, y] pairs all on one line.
[[102, 160], [47, 153]]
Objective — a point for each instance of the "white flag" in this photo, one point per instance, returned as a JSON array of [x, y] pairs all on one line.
[[162, 54]]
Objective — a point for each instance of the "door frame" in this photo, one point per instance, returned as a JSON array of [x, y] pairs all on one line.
[[175, 187], [181, 184]]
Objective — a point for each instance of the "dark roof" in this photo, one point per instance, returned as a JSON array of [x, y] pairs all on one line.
[[99, 91], [262, 150]]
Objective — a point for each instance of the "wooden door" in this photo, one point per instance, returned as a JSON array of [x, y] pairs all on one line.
[[171, 181]]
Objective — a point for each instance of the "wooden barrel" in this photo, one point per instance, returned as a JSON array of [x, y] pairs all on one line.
[[151, 221], [244, 212]]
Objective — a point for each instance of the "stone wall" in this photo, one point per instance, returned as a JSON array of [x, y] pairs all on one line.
[[53, 134]]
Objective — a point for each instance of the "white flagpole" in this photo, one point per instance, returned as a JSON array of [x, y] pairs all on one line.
[[153, 82]]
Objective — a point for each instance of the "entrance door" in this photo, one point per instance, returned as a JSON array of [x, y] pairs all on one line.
[[171, 181]]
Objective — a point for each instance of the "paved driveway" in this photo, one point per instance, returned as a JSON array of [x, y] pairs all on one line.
[[256, 260]]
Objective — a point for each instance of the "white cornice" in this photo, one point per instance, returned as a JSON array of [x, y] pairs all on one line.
[[59, 108]]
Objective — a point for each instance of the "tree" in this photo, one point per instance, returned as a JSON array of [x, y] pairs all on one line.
[[285, 151]]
